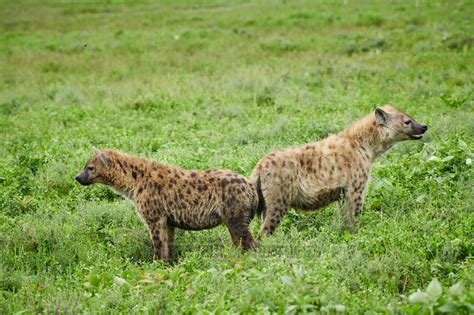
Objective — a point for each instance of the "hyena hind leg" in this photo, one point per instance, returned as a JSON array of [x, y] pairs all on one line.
[[240, 233], [272, 219]]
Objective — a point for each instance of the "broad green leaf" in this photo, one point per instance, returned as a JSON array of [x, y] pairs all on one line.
[[213, 271], [456, 289], [448, 158], [120, 281], [420, 198], [298, 271], [106, 277], [434, 289], [94, 280], [448, 308], [339, 308], [419, 298]]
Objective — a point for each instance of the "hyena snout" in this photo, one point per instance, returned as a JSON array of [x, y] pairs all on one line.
[[418, 130], [82, 179]]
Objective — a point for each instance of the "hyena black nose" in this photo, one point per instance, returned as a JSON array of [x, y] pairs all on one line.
[[77, 178], [424, 127]]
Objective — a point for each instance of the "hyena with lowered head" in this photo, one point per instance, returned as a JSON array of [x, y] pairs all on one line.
[[168, 197], [312, 176]]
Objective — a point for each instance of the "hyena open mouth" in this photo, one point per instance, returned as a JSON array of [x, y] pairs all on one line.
[[416, 137]]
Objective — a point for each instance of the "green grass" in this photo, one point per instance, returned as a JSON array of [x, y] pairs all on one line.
[[206, 84]]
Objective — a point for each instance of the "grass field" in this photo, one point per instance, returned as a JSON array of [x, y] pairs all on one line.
[[205, 84]]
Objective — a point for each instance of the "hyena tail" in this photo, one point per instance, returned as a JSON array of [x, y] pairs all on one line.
[[261, 200]]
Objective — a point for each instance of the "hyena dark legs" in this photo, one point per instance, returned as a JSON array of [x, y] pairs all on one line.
[[354, 197], [276, 198], [170, 231], [241, 236], [162, 235], [272, 218], [239, 230]]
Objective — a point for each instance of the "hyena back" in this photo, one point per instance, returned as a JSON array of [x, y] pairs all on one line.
[[168, 197], [312, 176]]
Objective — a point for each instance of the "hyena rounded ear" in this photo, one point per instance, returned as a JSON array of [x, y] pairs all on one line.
[[105, 159], [381, 116]]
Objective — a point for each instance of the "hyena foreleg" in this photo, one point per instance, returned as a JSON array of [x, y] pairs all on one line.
[[354, 199], [162, 235]]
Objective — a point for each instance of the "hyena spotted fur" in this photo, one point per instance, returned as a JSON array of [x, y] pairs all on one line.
[[168, 197], [312, 176]]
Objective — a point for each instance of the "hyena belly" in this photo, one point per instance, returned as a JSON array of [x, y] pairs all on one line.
[[201, 223], [203, 213], [316, 190], [316, 200]]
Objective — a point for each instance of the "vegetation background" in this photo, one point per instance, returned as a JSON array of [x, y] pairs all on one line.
[[218, 84]]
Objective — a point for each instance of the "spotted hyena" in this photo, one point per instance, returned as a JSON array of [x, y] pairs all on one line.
[[168, 197], [314, 175]]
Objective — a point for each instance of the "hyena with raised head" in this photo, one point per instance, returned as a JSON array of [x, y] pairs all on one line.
[[168, 197], [312, 176]]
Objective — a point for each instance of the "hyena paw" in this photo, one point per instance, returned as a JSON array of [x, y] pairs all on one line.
[[251, 245], [352, 229]]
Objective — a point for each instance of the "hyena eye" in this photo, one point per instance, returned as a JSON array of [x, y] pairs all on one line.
[[90, 168], [407, 122]]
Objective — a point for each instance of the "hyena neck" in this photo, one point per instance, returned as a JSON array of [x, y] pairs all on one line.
[[125, 173], [371, 138], [378, 144]]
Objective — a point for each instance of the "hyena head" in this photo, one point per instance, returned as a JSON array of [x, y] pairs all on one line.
[[96, 169], [399, 126]]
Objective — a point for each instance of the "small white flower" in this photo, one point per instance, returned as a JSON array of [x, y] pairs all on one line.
[[433, 158], [420, 198], [468, 161]]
